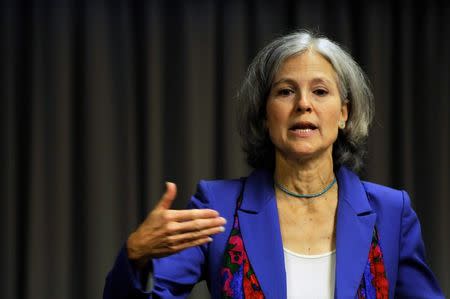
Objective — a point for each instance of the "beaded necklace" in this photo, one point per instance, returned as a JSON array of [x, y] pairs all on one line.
[[298, 195]]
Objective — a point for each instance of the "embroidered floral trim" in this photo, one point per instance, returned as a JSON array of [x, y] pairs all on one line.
[[238, 278], [374, 283]]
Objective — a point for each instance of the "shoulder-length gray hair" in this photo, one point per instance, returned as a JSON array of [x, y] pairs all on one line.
[[353, 85]]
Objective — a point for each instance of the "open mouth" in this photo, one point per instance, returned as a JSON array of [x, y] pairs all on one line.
[[303, 127]]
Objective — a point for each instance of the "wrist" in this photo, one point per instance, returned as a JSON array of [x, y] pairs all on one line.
[[135, 255]]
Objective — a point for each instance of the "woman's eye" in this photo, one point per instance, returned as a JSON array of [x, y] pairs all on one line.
[[285, 92], [320, 92]]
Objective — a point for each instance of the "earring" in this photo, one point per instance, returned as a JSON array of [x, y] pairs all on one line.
[[342, 124]]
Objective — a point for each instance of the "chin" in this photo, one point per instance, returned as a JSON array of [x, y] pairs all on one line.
[[303, 153], [304, 150]]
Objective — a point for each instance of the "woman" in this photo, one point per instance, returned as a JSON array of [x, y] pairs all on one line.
[[302, 225]]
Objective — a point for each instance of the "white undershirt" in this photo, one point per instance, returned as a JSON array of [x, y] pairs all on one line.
[[310, 276]]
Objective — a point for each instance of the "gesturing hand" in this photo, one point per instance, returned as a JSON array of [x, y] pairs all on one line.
[[165, 231]]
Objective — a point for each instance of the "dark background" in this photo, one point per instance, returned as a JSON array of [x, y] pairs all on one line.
[[102, 101]]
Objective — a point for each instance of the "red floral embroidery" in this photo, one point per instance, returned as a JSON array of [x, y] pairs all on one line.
[[374, 283], [251, 284], [238, 278], [227, 276], [237, 251]]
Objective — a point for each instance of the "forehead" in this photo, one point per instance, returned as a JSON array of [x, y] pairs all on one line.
[[306, 66]]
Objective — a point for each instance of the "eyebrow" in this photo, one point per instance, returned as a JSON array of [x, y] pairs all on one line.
[[314, 80]]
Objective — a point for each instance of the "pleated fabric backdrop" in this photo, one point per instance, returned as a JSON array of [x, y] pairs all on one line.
[[105, 100]]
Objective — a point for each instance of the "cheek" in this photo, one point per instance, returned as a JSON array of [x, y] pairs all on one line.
[[332, 116], [276, 115], [274, 124], [269, 117], [270, 125]]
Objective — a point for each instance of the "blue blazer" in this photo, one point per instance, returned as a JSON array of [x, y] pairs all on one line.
[[361, 205]]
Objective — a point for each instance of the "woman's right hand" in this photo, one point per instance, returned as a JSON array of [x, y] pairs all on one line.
[[165, 231]]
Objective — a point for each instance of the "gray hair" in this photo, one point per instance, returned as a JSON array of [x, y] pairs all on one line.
[[349, 148]]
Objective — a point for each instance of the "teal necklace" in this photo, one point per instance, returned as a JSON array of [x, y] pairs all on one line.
[[298, 195]]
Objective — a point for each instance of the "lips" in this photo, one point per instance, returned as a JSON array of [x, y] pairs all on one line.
[[303, 129], [303, 126]]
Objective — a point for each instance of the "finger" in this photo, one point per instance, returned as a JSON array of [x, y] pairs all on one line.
[[186, 215], [193, 243], [167, 199], [195, 235], [195, 225]]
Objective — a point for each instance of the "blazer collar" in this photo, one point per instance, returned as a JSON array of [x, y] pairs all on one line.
[[351, 190], [354, 227], [260, 228], [258, 191]]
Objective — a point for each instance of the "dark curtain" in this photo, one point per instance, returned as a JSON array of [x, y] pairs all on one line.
[[105, 100]]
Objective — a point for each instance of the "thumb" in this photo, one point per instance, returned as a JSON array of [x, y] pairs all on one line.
[[167, 199]]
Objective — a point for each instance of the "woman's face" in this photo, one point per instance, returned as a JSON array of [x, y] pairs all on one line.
[[304, 107]]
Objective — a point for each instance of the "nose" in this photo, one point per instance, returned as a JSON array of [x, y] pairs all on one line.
[[304, 103]]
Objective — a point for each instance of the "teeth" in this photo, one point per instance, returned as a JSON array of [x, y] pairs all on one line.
[[303, 130]]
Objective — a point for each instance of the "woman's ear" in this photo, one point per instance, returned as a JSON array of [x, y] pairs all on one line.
[[344, 110]]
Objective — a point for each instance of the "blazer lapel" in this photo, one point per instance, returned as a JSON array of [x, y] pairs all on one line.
[[354, 227], [260, 229]]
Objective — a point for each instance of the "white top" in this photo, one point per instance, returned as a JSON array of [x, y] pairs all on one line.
[[310, 276]]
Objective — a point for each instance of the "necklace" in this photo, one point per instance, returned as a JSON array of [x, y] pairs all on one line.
[[298, 195]]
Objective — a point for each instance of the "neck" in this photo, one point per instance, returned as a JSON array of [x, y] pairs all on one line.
[[304, 176]]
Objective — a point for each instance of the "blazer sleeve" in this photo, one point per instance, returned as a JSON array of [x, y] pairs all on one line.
[[415, 279], [172, 277]]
